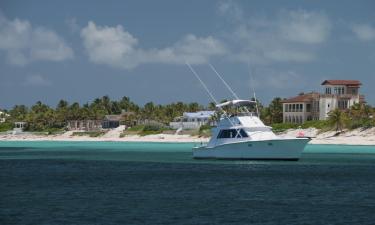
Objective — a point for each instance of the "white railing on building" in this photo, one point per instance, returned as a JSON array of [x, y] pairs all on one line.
[[189, 125]]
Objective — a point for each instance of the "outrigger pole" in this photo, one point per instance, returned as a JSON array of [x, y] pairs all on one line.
[[212, 97], [227, 85]]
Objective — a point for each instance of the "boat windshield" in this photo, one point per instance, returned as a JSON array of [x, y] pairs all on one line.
[[232, 133]]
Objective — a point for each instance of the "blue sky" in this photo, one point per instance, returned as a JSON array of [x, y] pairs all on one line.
[[79, 50]]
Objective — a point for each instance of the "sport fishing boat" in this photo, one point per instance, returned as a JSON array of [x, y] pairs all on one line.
[[242, 135]]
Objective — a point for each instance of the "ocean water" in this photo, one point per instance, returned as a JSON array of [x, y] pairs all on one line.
[[159, 183]]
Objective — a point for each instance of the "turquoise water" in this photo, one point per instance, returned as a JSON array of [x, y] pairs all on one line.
[[165, 152], [160, 183]]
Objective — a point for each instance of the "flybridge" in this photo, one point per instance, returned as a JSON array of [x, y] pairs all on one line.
[[236, 103]]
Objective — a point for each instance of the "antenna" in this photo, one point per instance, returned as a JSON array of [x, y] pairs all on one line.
[[253, 89], [212, 97]]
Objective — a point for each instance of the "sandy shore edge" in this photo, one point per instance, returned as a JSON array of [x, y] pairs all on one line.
[[353, 137]]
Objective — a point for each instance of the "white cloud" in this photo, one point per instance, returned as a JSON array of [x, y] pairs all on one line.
[[116, 47], [281, 80], [364, 32], [305, 27], [23, 44], [36, 80], [291, 36], [231, 9]]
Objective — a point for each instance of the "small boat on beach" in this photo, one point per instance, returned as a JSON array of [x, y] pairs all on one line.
[[242, 135]]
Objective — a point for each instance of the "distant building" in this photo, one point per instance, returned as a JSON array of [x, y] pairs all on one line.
[[192, 120], [19, 127], [108, 122], [86, 125], [340, 94], [111, 121], [3, 116]]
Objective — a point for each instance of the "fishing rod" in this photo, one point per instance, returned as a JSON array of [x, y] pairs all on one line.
[[212, 97]]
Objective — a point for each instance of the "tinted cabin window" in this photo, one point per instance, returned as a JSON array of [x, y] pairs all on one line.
[[232, 133]]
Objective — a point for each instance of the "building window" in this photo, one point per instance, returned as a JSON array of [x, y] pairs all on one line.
[[343, 104], [328, 90], [308, 107]]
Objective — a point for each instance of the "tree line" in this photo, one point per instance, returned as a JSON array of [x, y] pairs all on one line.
[[41, 117]]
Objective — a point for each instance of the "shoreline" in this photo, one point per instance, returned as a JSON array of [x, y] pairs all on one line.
[[354, 137]]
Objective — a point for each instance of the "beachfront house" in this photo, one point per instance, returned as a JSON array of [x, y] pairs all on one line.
[[3, 116], [19, 127], [192, 120], [340, 94], [84, 125], [111, 121]]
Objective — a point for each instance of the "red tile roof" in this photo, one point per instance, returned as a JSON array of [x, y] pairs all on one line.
[[302, 98], [342, 82]]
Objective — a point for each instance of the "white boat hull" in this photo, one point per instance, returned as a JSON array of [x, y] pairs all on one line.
[[283, 149]]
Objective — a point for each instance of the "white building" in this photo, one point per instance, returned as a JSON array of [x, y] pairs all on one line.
[[340, 94], [3, 116], [192, 120]]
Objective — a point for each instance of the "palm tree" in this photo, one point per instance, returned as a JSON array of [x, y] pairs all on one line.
[[337, 118], [276, 111]]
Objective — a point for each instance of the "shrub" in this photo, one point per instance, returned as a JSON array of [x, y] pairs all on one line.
[[89, 133], [136, 128], [280, 127], [153, 127], [205, 127], [363, 123], [318, 124], [205, 130], [6, 126]]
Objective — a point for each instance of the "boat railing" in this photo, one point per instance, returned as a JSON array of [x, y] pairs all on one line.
[[247, 114]]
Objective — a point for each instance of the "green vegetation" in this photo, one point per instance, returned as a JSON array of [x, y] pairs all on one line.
[[43, 118], [144, 130], [318, 124], [205, 131], [89, 133], [337, 119], [6, 126], [137, 128], [152, 129], [280, 127], [273, 114], [358, 116]]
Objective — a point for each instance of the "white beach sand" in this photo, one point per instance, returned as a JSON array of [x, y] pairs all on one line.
[[354, 137]]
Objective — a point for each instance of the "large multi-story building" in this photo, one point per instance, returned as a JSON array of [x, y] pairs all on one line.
[[340, 94]]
